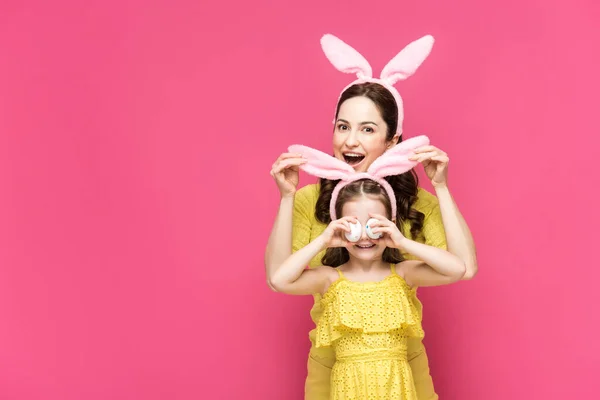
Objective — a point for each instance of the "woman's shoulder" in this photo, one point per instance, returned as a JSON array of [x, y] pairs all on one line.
[[425, 201], [308, 194]]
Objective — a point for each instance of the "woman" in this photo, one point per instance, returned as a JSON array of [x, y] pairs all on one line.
[[368, 122]]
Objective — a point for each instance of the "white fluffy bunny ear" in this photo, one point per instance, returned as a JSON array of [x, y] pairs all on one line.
[[408, 60], [345, 58]]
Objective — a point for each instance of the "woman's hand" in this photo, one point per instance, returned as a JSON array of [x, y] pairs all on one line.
[[333, 235], [391, 235], [435, 162], [285, 172]]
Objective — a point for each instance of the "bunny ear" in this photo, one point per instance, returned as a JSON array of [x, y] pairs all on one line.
[[345, 58], [396, 161], [322, 165], [408, 60]]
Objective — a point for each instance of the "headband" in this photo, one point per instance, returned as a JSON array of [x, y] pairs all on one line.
[[345, 59], [394, 161]]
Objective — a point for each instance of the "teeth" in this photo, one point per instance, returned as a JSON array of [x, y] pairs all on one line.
[[353, 155]]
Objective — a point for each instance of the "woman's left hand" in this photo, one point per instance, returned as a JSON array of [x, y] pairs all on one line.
[[435, 163]]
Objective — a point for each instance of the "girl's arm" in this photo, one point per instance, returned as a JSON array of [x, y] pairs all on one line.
[[292, 277], [435, 266]]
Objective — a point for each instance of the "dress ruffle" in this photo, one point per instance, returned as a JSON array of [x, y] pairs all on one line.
[[372, 307]]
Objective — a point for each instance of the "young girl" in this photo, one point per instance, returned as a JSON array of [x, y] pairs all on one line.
[[365, 284]]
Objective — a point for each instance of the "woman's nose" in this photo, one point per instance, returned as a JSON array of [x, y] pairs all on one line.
[[352, 139]]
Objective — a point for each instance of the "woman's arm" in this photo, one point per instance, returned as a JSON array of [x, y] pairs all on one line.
[[458, 235], [279, 247]]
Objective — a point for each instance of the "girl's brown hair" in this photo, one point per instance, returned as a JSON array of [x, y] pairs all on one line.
[[336, 256]]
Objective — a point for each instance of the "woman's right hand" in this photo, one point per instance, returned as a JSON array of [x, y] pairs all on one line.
[[285, 172], [333, 235]]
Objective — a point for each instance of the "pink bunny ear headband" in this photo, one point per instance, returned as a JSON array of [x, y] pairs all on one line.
[[395, 161], [403, 65]]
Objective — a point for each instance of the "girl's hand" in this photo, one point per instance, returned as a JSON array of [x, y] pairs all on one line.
[[285, 173], [435, 162], [392, 237], [333, 235]]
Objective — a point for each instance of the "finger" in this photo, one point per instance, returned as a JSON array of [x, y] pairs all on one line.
[[293, 161], [285, 156], [424, 149], [424, 156], [276, 170], [379, 217], [289, 161], [341, 225], [287, 164], [442, 159], [383, 229], [378, 223]]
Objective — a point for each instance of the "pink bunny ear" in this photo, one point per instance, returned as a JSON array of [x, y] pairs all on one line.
[[321, 164], [405, 63], [345, 58], [396, 161]]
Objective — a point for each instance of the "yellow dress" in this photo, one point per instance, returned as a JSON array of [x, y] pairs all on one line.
[[368, 326], [321, 359]]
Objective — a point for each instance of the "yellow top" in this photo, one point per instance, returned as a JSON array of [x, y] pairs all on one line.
[[368, 325], [306, 228]]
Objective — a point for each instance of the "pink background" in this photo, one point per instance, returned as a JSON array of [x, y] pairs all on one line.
[[129, 271]]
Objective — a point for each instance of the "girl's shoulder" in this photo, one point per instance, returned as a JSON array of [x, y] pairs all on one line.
[[329, 276], [403, 266]]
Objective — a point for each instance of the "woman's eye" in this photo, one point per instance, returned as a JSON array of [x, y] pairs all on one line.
[[342, 127], [369, 130]]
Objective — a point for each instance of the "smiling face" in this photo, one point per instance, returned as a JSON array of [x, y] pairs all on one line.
[[358, 199], [366, 249], [365, 125]]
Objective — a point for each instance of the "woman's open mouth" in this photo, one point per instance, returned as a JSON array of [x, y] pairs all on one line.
[[353, 159], [365, 246]]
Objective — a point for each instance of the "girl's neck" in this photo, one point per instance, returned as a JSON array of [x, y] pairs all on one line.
[[366, 265]]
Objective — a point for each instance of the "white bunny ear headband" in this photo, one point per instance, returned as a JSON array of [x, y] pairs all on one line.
[[394, 161], [403, 65]]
